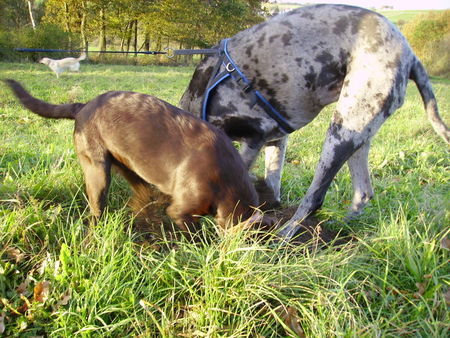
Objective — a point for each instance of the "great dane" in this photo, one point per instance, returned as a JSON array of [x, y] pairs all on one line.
[[285, 70]]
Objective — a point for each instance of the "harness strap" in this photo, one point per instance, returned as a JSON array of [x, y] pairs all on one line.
[[233, 71]]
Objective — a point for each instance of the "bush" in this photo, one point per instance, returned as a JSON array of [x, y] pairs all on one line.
[[46, 36], [429, 36], [7, 47]]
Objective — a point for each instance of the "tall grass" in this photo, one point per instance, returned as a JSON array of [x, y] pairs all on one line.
[[60, 277]]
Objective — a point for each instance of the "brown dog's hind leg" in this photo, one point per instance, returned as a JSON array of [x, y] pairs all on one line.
[[141, 189], [97, 175]]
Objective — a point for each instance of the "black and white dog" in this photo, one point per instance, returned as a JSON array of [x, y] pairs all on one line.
[[277, 76]]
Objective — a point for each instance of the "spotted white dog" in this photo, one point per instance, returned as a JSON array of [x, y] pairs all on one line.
[[63, 65], [284, 71]]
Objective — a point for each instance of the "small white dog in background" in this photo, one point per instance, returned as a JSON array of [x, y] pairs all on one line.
[[63, 65]]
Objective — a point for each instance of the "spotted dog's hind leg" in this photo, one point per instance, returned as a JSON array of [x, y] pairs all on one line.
[[274, 158], [359, 114], [358, 164]]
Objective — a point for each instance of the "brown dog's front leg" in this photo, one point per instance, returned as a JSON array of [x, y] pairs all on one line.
[[187, 223]]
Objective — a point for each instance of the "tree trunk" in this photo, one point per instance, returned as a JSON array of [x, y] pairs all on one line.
[[129, 35], [83, 30], [147, 41], [102, 32], [135, 37], [158, 43], [67, 23], [124, 35], [30, 11]]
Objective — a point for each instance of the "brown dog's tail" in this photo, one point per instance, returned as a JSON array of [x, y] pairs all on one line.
[[420, 77], [44, 109]]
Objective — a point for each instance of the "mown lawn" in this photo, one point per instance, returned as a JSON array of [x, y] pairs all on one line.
[[58, 278]]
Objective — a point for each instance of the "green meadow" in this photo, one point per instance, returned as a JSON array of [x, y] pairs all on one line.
[[60, 277]]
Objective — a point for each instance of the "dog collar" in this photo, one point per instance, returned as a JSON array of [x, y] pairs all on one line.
[[232, 71]]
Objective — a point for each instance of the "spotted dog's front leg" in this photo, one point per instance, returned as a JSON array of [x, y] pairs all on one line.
[[274, 159], [339, 145]]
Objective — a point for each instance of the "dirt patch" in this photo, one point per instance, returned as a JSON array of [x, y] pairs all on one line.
[[149, 207], [312, 230]]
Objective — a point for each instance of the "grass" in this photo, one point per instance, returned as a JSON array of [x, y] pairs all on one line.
[[61, 278]]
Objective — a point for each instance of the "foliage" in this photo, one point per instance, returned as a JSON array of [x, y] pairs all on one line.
[[14, 13], [127, 25], [7, 46], [61, 278], [47, 36], [195, 23], [429, 36]]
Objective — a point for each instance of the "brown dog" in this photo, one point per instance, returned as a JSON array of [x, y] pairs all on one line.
[[150, 141]]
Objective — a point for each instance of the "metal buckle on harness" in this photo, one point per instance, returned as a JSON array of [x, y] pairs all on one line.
[[230, 68]]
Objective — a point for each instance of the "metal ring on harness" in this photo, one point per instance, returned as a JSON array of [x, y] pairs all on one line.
[[230, 68], [169, 52]]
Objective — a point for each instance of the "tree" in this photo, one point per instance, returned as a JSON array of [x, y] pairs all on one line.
[[186, 23], [18, 14]]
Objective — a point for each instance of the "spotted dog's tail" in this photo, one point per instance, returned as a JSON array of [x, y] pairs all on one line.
[[420, 77], [44, 109]]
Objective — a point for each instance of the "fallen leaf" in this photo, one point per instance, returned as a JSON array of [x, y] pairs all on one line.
[[15, 254], [42, 291], [295, 162], [196, 333], [290, 317], [23, 120], [445, 243], [318, 230], [66, 296], [2, 322], [447, 297], [422, 288], [25, 306], [22, 288], [44, 264]]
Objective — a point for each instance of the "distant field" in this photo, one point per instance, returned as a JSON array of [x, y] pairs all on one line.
[[393, 15], [405, 16]]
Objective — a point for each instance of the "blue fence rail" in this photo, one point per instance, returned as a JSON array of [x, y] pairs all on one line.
[[80, 51]]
